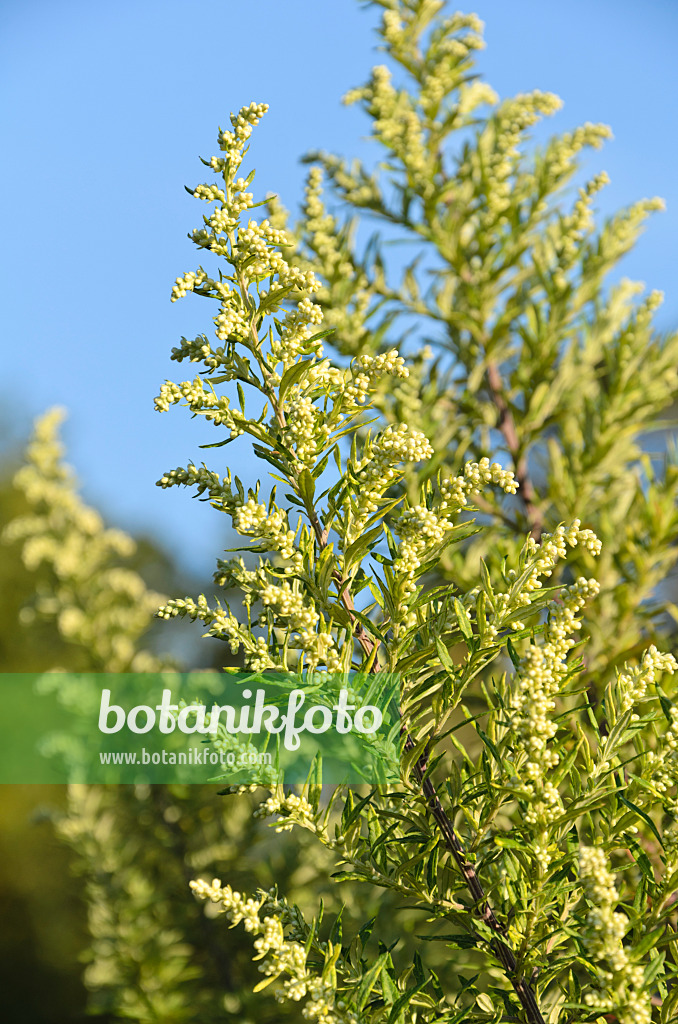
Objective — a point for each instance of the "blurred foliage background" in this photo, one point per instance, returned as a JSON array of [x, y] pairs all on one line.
[[43, 917], [113, 900], [96, 918]]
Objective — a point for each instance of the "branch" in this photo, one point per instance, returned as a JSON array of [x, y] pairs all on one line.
[[370, 645], [499, 947], [507, 426]]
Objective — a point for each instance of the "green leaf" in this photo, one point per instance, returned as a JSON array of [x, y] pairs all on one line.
[[647, 943], [419, 973], [490, 745], [360, 546], [369, 980], [445, 659], [396, 1015], [321, 334], [410, 757], [369, 625], [388, 988], [463, 619], [336, 931], [266, 981], [513, 654], [292, 375], [653, 969], [484, 1002], [306, 485], [454, 940], [365, 931], [641, 814], [217, 444], [273, 298], [486, 581]]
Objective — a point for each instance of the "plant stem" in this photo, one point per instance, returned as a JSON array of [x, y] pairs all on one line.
[[499, 947], [369, 645], [507, 426]]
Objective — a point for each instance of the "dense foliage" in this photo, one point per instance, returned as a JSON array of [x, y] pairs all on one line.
[[466, 503]]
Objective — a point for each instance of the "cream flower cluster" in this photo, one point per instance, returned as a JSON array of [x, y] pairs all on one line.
[[540, 677], [288, 604], [538, 681], [579, 223], [670, 844], [306, 432], [367, 369], [559, 247], [347, 295], [660, 765], [280, 956], [257, 241], [203, 479], [660, 774], [605, 928], [632, 683], [625, 227], [558, 164], [521, 112], [562, 149], [225, 218], [201, 400], [250, 518], [500, 146], [232, 321], [475, 95], [447, 58], [285, 608], [476, 476], [307, 312], [222, 624], [543, 557], [377, 469], [210, 193], [553, 545], [351, 388], [353, 184], [391, 447], [306, 429], [96, 602], [232, 318], [421, 530], [226, 743], [322, 229], [199, 350], [235, 198], [254, 250], [269, 525], [290, 806], [242, 124], [395, 121], [187, 283], [298, 335]]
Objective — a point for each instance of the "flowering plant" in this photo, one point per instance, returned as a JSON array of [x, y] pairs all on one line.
[[444, 515], [502, 829]]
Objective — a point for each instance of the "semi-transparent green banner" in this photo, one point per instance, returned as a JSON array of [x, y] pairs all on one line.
[[230, 728]]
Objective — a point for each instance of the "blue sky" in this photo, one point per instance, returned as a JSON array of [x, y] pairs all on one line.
[[107, 106]]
